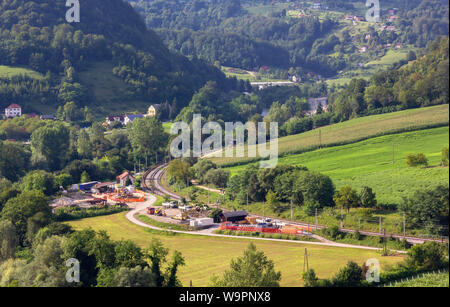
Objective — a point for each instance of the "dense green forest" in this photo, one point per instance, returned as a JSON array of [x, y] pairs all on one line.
[[223, 31], [36, 35], [230, 33]]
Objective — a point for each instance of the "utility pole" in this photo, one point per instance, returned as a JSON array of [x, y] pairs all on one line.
[[404, 226], [380, 226], [317, 222], [393, 155], [384, 243], [247, 197], [292, 212], [263, 210], [342, 219], [320, 139], [305, 261]]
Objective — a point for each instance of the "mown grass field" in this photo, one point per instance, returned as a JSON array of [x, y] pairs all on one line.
[[206, 256], [370, 163], [9, 71], [429, 280], [354, 130]]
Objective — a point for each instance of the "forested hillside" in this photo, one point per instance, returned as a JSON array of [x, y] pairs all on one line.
[[35, 35], [420, 83], [294, 36], [224, 31]]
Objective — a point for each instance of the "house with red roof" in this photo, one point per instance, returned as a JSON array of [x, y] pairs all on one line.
[[123, 178], [13, 110]]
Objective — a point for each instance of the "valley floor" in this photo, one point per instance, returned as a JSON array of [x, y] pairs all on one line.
[[206, 256]]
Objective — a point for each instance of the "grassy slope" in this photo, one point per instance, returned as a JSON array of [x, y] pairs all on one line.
[[110, 90], [9, 71], [356, 130], [370, 163], [207, 256]]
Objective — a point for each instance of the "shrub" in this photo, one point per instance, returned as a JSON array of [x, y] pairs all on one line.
[[357, 235], [444, 156], [416, 159]]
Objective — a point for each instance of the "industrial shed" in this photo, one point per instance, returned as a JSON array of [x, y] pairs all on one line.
[[233, 216]]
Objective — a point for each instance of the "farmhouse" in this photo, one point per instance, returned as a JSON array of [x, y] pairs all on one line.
[[13, 110]]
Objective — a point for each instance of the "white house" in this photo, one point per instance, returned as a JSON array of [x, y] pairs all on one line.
[[13, 111], [131, 117]]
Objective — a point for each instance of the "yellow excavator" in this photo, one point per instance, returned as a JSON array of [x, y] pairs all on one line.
[[182, 216]]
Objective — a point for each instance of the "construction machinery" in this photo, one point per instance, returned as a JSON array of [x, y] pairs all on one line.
[[181, 217], [156, 211]]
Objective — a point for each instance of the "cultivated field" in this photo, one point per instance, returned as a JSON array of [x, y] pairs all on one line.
[[355, 130], [428, 280], [206, 256]]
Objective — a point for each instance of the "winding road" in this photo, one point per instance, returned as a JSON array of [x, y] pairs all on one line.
[[153, 176]]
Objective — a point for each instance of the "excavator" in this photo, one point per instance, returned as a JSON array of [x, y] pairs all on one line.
[[156, 211], [182, 216]]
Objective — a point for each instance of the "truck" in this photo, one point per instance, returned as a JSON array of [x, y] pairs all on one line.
[[202, 222]]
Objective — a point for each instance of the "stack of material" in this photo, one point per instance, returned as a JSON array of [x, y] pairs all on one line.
[[62, 202]]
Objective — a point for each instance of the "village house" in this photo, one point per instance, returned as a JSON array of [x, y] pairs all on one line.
[[131, 117], [393, 18], [314, 104], [13, 110], [123, 179], [114, 118], [363, 49], [47, 117], [358, 18], [153, 110]]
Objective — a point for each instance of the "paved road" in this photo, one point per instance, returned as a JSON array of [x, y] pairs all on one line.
[[155, 176], [131, 216]]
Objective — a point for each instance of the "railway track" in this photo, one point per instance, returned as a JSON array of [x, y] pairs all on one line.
[[152, 181]]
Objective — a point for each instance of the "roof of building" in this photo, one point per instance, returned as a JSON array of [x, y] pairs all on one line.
[[156, 106], [103, 184], [134, 116], [47, 117], [234, 214], [14, 106], [112, 117], [124, 175]]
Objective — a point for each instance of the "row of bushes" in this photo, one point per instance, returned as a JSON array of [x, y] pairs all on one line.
[[333, 233], [256, 234], [76, 213]]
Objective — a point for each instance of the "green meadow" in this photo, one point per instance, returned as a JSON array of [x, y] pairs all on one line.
[[380, 163], [354, 130], [9, 71], [206, 256]]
